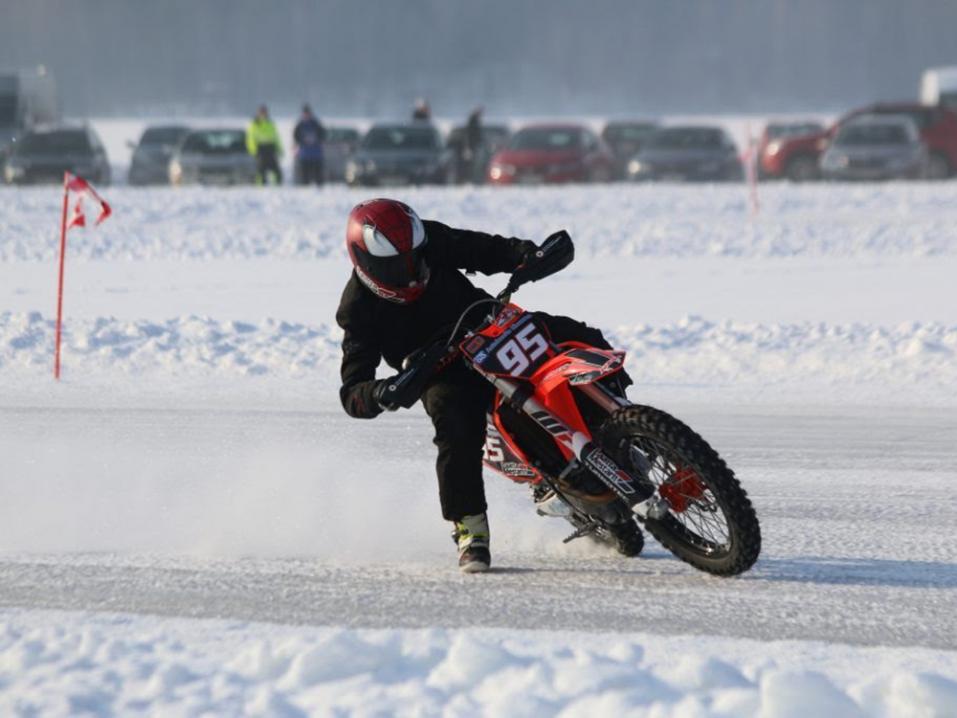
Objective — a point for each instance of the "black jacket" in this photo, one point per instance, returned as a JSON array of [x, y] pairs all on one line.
[[377, 329]]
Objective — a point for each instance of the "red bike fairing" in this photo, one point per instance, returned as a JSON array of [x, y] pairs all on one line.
[[516, 346]]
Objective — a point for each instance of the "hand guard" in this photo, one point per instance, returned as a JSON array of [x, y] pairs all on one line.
[[399, 391], [556, 253], [405, 388]]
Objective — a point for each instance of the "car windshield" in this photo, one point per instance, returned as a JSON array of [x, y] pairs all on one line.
[[628, 133], [8, 110], [547, 139], [793, 130], [921, 118], [341, 134], [61, 142], [873, 134], [163, 135], [401, 138], [686, 138], [221, 142]]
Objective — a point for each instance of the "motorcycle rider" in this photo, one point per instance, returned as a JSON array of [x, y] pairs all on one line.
[[406, 285]]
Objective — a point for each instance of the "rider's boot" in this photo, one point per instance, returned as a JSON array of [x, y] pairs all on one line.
[[471, 536], [629, 540]]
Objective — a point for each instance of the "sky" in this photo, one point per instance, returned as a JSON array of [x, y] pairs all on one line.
[[526, 57]]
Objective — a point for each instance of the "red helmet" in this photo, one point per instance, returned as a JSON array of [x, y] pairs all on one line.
[[386, 242]]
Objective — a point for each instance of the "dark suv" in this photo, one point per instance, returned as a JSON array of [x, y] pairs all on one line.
[[797, 157], [43, 155], [150, 164]]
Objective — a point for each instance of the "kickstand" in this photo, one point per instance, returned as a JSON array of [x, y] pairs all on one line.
[[584, 530]]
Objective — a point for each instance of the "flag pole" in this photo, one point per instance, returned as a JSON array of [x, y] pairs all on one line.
[[59, 299]]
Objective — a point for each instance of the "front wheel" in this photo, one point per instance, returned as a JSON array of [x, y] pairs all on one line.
[[710, 523]]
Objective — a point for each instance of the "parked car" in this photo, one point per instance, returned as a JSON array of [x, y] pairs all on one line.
[[151, 155], [397, 154], [686, 153], [44, 154], [772, 139], [625, 138], [797, 158], [340, 144], [875, 147], [213, 156], [550, 154]]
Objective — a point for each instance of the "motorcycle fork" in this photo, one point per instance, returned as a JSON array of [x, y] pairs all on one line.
[[584, 451]]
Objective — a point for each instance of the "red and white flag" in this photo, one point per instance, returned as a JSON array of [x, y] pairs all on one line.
[[75, 189], [80, 188]]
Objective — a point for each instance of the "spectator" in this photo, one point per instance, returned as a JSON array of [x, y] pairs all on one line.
[[421, 110], [308, 137], [474, 146], [262, 142]]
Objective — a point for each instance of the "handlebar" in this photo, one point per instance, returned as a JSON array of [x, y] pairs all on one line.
[[554, 254]]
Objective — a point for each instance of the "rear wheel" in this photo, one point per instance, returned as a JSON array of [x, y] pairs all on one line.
[[710, 523]]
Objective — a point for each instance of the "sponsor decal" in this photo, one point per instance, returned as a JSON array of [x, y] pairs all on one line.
[[515, 468], [608, 471], [475, 344]]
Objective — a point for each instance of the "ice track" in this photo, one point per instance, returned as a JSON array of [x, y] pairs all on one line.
[[857, 509]]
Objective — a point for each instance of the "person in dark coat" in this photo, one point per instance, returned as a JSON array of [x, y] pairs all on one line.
[[407, 283], [474, 145], [308, 136]]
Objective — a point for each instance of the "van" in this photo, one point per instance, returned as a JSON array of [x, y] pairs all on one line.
[[938, 86]]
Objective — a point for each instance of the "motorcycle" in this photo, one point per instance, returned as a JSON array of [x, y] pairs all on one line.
[[560, 422]]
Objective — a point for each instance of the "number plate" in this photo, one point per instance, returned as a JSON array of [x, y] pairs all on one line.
[[518, 352]]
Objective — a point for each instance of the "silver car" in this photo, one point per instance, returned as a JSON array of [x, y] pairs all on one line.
[[216, 156], [875, 147]]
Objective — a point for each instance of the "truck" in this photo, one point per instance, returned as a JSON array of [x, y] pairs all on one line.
[[938, 86], [27, 98]]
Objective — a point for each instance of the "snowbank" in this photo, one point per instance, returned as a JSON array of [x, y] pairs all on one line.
[[56, 663], [861, 361], [618, 220]]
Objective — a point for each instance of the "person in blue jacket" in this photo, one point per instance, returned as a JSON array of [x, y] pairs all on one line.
[[308, 136]]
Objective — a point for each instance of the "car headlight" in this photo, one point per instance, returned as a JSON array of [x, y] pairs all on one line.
[[175, 171], [635, 167], [499, 170], [12, 172], [773, 147]]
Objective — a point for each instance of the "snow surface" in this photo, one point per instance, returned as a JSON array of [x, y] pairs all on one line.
[[70, 664], [197, 427]]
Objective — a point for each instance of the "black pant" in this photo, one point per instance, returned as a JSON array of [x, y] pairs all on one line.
[[457, 401], [267, 160], [311, 172]]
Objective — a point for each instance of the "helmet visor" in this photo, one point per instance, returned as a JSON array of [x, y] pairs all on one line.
[[399, 271]]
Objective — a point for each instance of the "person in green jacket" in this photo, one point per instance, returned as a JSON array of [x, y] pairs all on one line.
[[262, 142]]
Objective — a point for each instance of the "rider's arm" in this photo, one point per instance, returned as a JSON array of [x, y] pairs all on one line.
[[360, 357], [474, 251]]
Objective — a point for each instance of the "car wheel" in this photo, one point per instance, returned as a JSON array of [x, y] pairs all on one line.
[[938, 168], [802, 169]]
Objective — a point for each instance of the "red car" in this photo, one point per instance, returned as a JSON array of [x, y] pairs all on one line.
[[797, 157], [550, 154]]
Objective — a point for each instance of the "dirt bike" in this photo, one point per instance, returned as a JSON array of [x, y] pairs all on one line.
[[560, 422]]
